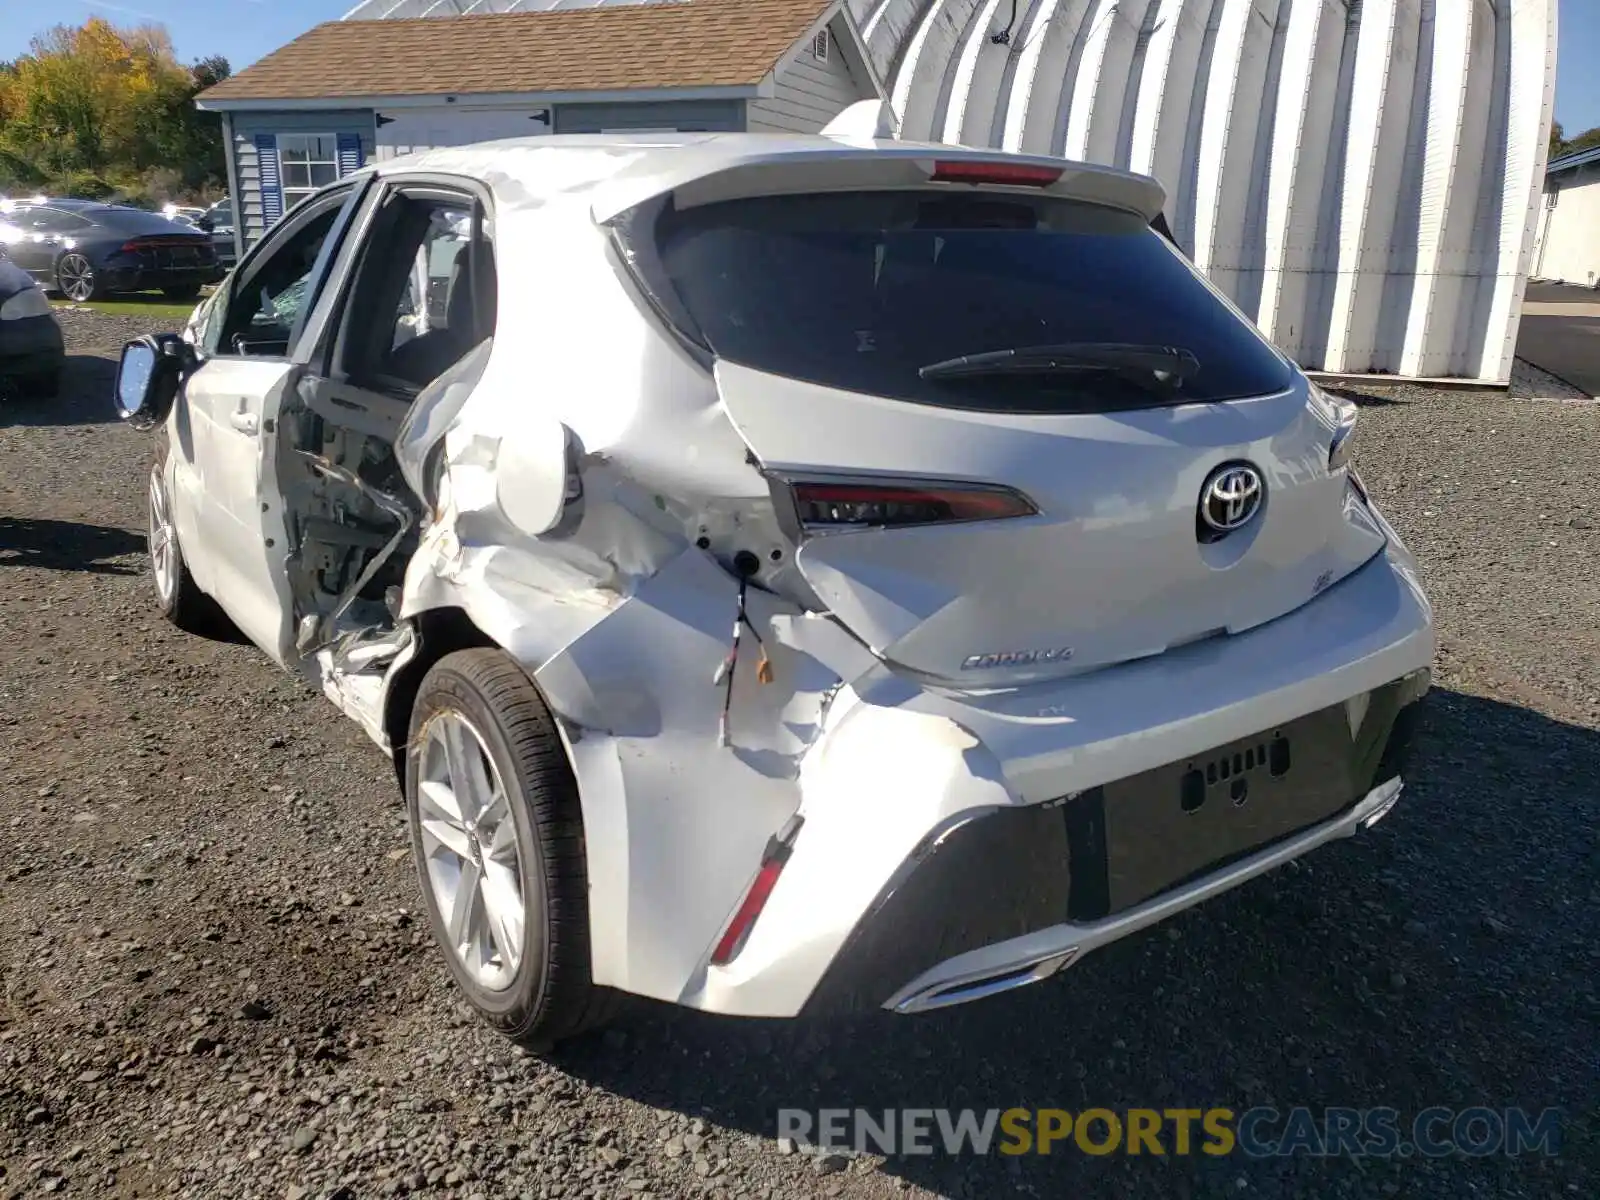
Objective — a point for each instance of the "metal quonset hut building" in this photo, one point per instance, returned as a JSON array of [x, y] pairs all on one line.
[[1362, 176]]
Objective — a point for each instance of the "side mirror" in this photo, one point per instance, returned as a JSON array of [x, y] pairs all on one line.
[[148, 377], [207, 223]]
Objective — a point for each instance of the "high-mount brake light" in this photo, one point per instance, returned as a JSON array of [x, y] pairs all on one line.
[[959, 170], [823, 505]]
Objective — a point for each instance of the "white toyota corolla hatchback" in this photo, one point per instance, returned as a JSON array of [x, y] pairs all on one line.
[[790, 574]]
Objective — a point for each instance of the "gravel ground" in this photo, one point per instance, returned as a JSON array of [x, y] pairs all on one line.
[[215, 979]]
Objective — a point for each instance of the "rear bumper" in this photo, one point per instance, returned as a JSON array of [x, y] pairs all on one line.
[[30, 347], [954, 845], [144, 279], [1006, 897], [1003, 966]]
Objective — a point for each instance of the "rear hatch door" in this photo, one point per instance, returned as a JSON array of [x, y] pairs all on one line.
[[985, 338]]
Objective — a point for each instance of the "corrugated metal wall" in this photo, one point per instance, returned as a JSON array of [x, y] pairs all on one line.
[[1362, 176]]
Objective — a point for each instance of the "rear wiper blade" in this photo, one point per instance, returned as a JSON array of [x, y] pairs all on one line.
[[1169, 364]]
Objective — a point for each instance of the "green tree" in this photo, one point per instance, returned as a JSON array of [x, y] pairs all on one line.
[[1586, 140], [97, 110]]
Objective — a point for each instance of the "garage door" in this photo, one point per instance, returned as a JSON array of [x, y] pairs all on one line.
[[404, 130]]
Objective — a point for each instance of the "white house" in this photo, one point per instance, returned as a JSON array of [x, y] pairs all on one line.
[[1568, 249]]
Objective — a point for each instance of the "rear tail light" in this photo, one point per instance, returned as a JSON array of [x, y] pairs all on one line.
[[139, 245], [824, 505], [976, 171], [773, 860], [1343, 414], [1344, 440]]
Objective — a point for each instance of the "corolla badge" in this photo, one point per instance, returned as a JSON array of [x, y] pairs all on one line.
[[1231, 496], [1016, 658]]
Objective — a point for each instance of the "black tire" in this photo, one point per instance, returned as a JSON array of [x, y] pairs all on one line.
[[69, 268], [552, 996], [186, 291], [182, 603]]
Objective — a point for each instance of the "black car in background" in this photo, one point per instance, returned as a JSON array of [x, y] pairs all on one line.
[[86, 250], [31, 349]]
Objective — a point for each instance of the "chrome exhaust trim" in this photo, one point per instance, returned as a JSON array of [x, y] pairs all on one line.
[[1004, 979], [1037, 956]]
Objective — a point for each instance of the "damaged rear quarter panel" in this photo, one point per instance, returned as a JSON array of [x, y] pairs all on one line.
[[622, 620]]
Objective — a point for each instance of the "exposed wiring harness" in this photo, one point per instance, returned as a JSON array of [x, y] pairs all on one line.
[[730, 664]]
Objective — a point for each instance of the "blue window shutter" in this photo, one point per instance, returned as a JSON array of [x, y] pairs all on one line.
[[271, 183], [350, 158]]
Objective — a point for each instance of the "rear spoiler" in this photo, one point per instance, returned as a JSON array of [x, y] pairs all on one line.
[[757, 167]]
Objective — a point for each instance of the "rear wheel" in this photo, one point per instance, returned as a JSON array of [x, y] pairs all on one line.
[[177, 595], [497, 833], [77, 280]]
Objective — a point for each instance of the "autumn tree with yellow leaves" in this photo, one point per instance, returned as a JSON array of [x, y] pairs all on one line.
[[100, 111]]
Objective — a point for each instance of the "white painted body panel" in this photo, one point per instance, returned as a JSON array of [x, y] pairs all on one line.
[[624, 626], [623, 617], [236, 512], [896, 762], [1108, 568]]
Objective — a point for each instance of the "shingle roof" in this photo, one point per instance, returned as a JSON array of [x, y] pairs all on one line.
[[681, 44]]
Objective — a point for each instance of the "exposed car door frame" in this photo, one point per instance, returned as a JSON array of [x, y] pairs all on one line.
[[190, 426], [240, 513], [327, 358], [327, 390], [355, 190]]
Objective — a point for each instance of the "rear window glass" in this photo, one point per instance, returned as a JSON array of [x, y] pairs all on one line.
[[861, 291]]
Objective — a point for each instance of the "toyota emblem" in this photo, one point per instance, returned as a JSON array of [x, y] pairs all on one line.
[[1231, 497]]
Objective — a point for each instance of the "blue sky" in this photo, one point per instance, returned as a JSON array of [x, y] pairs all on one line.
[[244, 30]]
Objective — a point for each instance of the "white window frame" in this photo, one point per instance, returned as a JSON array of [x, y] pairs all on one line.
[[293, 195]]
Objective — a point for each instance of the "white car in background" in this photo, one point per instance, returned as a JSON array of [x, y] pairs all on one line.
[[790, 573]]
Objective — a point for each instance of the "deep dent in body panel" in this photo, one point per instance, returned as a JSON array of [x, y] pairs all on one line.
[[623, 618]]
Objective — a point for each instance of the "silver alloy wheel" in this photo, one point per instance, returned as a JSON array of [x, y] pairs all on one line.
[[163, 541], [75, 277], [469, 842]]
